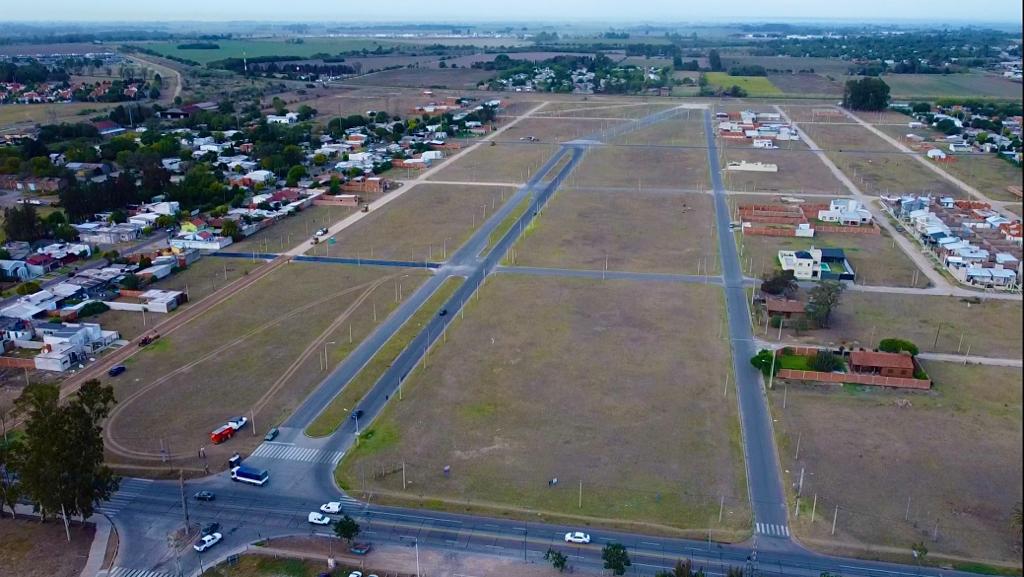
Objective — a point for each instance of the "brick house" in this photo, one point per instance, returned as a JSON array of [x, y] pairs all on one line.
[[884, 364]]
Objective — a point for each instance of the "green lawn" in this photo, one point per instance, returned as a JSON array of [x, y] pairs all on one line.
[[975, 85], [754, 85]]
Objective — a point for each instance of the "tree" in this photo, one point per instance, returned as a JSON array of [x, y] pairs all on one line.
[[866, 94], [10, 487], [616, 558], [682, 569], [230, 228], [295, 173], [347, 528], [780, 282], [822, 300], [898, 346], [558, 559], [21, 222], [826, 362], [919, 550], [28, 288], [734, 572], [131, 282], [715, 61], [764, 361]]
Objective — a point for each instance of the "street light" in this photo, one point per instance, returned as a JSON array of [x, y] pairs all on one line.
[[325, 352]]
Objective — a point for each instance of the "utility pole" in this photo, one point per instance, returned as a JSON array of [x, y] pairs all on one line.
[[184, 501]]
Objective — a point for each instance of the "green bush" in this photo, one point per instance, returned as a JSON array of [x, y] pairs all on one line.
[[897, 346], [826, 362], [28, 288], [93, 308], [763, 362]]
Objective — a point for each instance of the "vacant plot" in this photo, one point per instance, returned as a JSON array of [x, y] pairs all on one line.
[[806, 84], [823, 112], [988, 173], [989, 328], [423, 77], [549, 130], [647, 232], [874, 257], [46, 113], [800, 170], [292, 230], [427, 223], [567, 378], [506, 162], [753, 85], [603, 109], [34, 549], [790, 64], [686, 129], [268, 338], [933, 86], [267, 47], [906, 467], [635, 168]]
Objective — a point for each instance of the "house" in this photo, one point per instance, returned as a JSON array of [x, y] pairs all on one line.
[[744, 166], [960, 147], [288, 118], [259, 177], [936, 154], [766, 143], [15, 270], [846, 212], [201, 240], [885, 364], [99, 233], [782, 307], [68, 343], [108, 128], [805, 264]]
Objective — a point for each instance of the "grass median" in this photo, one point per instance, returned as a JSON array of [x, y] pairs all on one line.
[[503, 227], [341, 406]]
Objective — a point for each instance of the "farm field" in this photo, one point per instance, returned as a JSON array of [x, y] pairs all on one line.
[[874, 258], [806, 84], [754, 85], [292, 230], [510, 394], [267, 47], [942, 85], [650, 232], [633, 108], [550, 130], [423, 224], [685, 129], [46, 113], [990, 328], [789, 64], [34, 549], [903, 467], [453, 78], [800, 170], [183, 372], [633, 168], [503, 162]]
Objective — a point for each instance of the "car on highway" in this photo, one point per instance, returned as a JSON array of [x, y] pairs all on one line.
[[578, 537], [360, 548], [117, 370], [321, 232], [204, 496], [207, 541], [357, 414], [332, 507], [318, 518], [210, 529], [272, 434]]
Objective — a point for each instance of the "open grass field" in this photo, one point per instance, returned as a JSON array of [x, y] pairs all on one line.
[[990, 328], [269, 338], [789, 64], [988, 173], [254, 48], [800, 170], [454, 78], [754, 85], [570, 379], [874, 258], [686, 129], [292, 230], [34, 549], [954, 453], [13, 114], [649, 232], [634, 168], [507, 162], [807, 84], [601, 108], [550, 130], [934, 86], [429, 222]]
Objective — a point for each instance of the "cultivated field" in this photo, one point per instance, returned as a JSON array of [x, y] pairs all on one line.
[[990, 328], [646, 232], [904, 467], [806, 84], [292, 230], [789, 64], [267, 47], [49, 113], [429, 222], [34, 549], [874, 258], [568, 378], [800, 170], [754, 85], [454, 78], [932, 86], [635, 168], [269, 344], [508, 162]]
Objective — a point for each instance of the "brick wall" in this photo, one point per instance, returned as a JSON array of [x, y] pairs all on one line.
[[768, 231], [16, 363], [854, 378]]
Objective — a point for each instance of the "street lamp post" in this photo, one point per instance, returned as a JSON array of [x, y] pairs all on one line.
[[325, 353]]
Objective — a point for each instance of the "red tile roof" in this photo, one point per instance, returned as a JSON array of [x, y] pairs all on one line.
[[784, 306], [881, 360]]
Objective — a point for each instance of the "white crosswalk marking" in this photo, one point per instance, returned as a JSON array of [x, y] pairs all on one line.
[[772, 530], [129, 490], [288, 452], [126, 572]]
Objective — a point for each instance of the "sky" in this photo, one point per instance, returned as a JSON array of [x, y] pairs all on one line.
[[519, 10]]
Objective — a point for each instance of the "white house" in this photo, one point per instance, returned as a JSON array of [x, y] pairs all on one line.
[[766, 143], [846, 211], [200, 241], [805, 264], [261, 176], [960, 147], [289, 118], [15, 270], [936, 154]]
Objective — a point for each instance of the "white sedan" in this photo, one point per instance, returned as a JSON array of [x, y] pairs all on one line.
[[319, 518], [332, 507], [207, 541], [577, 537]]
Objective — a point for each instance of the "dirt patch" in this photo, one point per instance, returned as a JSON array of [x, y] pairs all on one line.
[[34, 549]]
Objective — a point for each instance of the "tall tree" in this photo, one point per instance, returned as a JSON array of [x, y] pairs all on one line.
[[39, 465], [866, 94], [616, 558], [822, 300], [10, 489], [715, 61], [347, 528], [21, 222]]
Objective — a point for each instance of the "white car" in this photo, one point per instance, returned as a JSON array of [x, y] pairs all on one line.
[[207, 541], [356, 574], [577, 537], [321, 232], [332, 507], [319, 518], [238, 422]]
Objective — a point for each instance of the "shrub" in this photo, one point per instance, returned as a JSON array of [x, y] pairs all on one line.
[[763, 362], [897, 346], [93, 308], [826, 362], [28, 288]]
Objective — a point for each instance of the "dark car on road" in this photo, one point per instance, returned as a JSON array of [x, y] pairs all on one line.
[[357, 414], [271, 434], [117, 370], [205, 496], [360, 548], [210, 529]]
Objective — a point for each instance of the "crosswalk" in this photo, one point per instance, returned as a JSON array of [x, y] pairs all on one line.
[[289, 452], [126, 572], [772, 530], [129, 490]]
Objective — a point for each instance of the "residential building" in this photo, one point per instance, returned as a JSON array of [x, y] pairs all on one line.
[[847, 212], [897, 365]]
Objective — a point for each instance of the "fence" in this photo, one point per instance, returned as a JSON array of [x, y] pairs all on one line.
[[848, 378]]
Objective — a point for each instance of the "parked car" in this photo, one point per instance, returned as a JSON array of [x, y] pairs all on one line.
[[578, 537], [318, 518], [332, 507], [117, 370], [356, 574], [272, 434], [207, 541], [210, 529], [360, 548], [237, 423], [205, 496]]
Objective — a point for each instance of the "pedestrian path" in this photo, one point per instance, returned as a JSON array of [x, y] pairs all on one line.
[[129, 490], [772, 530], [126, 572], [290, 452]]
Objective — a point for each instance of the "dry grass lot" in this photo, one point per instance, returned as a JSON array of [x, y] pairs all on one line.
[[292, 230], [509, 162], [33, 549], [570, 379], [987, 173], [800, 170], [650, 232], [634, 168], [268, 338], [991, 328], [685, 129], [955, 452], [806, 84], [874, 258], [419, 225], [423, 77], [555, 129], [601, 109], [821, 112]]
